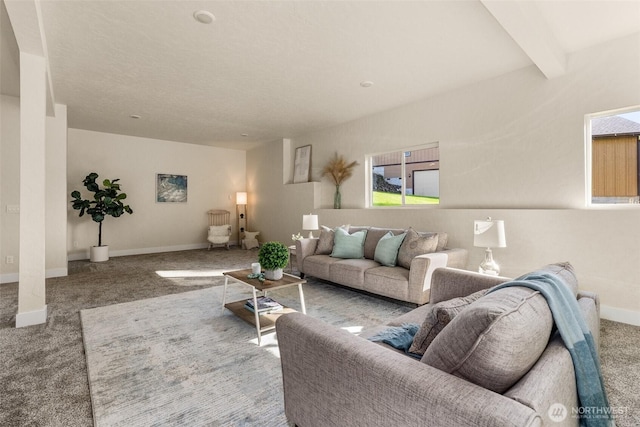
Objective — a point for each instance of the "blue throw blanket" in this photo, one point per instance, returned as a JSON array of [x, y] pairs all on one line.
[[578, 339], [399, 337]]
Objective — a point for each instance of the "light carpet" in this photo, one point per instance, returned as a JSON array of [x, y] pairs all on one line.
[[182, 360]]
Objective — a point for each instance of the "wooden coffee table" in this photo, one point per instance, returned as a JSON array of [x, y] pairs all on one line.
[[267, 321]]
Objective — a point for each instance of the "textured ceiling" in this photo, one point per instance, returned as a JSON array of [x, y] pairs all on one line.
[[277, 69]]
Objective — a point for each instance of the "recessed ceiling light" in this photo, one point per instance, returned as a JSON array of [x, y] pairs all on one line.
[[204, 16], [134, 116], [366, 83]]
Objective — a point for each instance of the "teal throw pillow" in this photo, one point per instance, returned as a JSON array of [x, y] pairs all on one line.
[[347, 245], [387, 249]]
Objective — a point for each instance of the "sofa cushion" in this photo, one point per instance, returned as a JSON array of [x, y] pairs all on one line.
[[387, 249], [347, 245], [438, 317], [318, 266], [414, 244], [374, 235], [351, 272], [495, 340], [392, 282], [325, 241]]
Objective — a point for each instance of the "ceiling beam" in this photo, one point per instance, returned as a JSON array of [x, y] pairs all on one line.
[[26, 20], [526, 26]]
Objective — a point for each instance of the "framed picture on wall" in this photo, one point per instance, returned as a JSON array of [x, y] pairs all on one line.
[[302, 164], [171, 188]]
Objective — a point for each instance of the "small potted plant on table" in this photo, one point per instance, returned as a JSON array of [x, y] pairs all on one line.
[[273, 257]]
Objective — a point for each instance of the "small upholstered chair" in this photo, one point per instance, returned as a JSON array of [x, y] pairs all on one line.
[[219, 228]]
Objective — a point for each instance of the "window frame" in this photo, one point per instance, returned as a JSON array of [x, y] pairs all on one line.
[[589, 160], [402, 151]]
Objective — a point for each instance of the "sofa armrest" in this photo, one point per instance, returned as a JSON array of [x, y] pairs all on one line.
[[457, 257], [331, 377], [448, 283], [595, 297], [589, 303], [304, 248], [422, 268], [553, 373]]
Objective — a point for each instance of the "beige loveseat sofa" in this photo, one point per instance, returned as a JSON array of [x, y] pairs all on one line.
[[419, 255], [332, 377]]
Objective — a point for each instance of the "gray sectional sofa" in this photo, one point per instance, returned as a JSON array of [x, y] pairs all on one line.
[[408, 280], [516, 373]]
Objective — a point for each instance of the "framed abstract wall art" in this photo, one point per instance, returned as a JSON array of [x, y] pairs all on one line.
[[171, 188], [302, 164]]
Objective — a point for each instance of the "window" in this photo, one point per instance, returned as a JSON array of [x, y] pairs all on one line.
[[403, 177], [614, 142]]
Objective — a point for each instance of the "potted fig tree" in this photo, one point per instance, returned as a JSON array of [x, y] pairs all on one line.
[[106, 201], [273, 257]]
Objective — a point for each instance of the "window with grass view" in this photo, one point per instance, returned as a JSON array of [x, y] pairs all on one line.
[[615, 149], [407, 177]]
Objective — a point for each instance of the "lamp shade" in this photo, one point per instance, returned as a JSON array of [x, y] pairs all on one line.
[[241, 198], [489, 234], [310, 222]]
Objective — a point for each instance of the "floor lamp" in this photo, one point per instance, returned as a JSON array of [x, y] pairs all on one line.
[[241, 212]]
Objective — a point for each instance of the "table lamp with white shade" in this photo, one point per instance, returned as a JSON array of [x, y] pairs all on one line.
[[489, 234], [310, 223]]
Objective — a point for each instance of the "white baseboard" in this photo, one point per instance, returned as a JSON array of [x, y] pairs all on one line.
[[52, 272], [620, 315], [141, 251], [9, 278], [29, 318], [56, 272]]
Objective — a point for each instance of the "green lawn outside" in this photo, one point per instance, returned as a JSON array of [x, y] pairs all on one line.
[[392, 199]]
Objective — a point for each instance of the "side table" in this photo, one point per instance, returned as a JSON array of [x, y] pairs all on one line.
[[266, 321]]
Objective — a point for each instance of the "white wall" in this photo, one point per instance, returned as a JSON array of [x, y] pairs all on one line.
[[513, 148], [9, 186], [56, 195], [56, 203], [214, 176]]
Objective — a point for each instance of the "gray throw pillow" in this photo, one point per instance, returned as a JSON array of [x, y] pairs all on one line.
[[494, 341], [374, 234], [413, 245], [438, 317], [443, 239], [325, 242]]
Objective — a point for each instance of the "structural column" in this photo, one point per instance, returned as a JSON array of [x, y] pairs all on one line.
[[32, 308]]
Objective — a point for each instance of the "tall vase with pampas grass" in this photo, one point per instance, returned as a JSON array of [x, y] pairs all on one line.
[[338, 170]]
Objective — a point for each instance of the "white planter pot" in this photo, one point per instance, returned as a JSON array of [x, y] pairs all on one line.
[[273, 274], [99, 253]]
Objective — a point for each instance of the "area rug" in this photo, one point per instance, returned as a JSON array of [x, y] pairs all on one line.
[[183, 360]]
